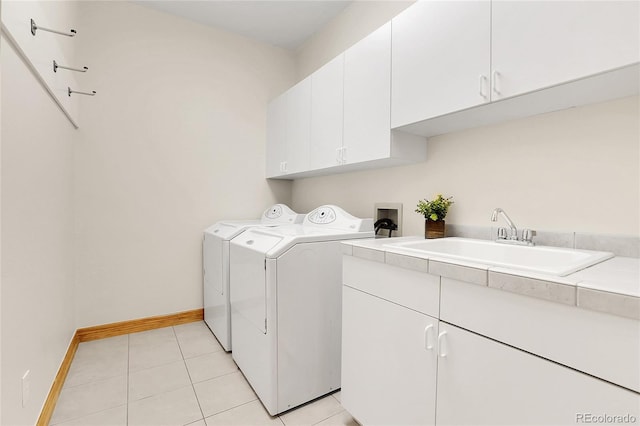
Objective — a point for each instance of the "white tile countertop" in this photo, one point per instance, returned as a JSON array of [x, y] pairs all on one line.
[[611, 287]]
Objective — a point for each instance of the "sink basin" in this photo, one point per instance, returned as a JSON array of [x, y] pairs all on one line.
[[542, 259]]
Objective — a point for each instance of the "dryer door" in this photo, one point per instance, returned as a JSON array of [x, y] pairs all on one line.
[[214, 258], [248, 276], [216, 286]]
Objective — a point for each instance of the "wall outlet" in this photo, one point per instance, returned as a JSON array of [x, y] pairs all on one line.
[[26, 387]]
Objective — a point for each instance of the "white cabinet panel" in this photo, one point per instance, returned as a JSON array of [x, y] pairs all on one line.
[[481, 382], [345, 111], [327, 114], [583, 339], [389, 362], [367, 98], [276, 135], [415, 290], [298, 124], [538, 56], [536, 44], [497, 370], [440, 59], [288, 131]]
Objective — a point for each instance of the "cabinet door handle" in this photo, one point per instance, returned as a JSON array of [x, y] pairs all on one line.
[[344, 154], [339, 155], [494, 82], [482, 80], [428, 337], [442, 345], [284, 166]]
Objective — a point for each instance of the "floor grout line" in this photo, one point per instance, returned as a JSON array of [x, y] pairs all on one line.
[[184, 361], [217, 377], [175, 333], [86, 415]]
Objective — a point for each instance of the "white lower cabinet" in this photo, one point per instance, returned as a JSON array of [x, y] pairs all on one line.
[[389, 361], [482, 382], [402, 366]]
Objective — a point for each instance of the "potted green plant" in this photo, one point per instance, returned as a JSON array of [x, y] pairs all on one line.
[[434, 213]]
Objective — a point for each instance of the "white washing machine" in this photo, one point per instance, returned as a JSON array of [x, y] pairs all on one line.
[[286, 306], [215, 261]]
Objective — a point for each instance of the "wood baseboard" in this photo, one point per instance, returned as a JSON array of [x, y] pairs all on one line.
[[104, 331], [56, 387], [142, 324]]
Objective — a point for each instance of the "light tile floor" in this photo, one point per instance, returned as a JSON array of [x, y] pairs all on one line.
[[171, 376]]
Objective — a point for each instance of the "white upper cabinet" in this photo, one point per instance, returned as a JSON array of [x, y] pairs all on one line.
[[327, 114], [367, 93], [288, 131], [537, 44], [441, 53], [458, 65], [346, 110], [276, 136], [298, 123]]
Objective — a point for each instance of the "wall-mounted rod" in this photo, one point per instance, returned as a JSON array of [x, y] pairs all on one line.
[[93, 92], [56, 66], [35, 27]]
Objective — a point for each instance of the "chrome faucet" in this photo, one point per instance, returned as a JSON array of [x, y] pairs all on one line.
[[494, 218], [527, 234]]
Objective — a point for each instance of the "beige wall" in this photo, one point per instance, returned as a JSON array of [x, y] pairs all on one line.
[[354, 23], [37, 300], [573, 170], [173, 142]]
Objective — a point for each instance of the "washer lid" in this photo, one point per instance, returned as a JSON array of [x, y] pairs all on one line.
[[276, 215], [230, 228], [275, 241], [257, 239]]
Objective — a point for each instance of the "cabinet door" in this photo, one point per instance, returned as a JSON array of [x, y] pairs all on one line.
[[389, 361], [536, 44], [367, 98], [298, 127], [440, 59], [276, 135], [481, 381], [326, 114]]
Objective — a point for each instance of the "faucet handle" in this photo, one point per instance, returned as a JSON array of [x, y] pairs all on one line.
[[502, 233], [527, 235]]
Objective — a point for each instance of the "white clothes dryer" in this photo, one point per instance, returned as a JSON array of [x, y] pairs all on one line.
[[215, 261], [286, 306]]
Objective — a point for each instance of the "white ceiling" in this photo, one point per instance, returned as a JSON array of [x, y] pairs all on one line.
[[284, 23]]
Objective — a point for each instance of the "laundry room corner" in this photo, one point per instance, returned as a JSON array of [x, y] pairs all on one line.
[[180, 106]]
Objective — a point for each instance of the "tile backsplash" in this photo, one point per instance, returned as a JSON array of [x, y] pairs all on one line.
[[620, 245]]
